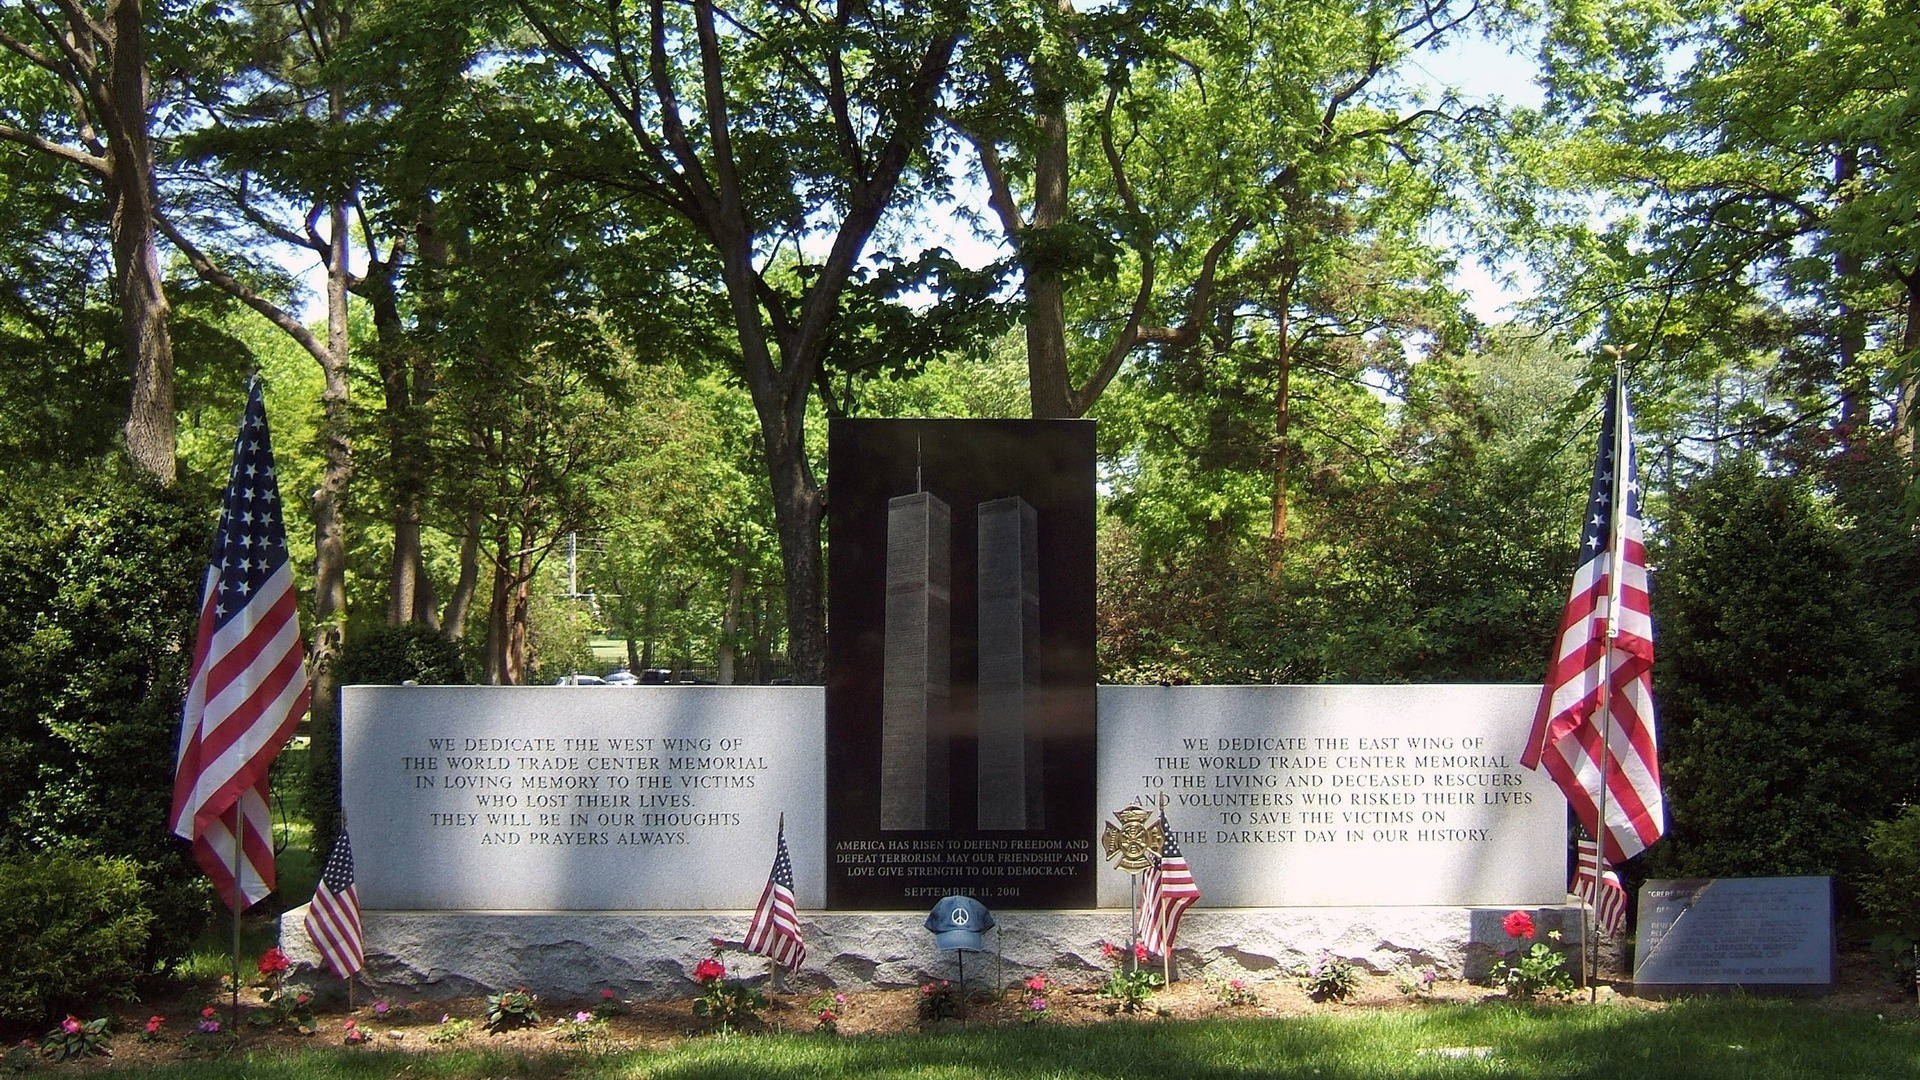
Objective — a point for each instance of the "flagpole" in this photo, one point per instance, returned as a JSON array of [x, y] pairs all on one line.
[[1616, 559], [239, 893]]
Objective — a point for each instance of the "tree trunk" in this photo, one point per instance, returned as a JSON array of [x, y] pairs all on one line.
[[1906, 408], [136, 259], [1282, 427], [730, 620], [328, 631], [1049, 381], [454, 619], [500, 609]]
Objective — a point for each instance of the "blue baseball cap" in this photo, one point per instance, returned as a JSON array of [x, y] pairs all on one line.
[[959, 922]]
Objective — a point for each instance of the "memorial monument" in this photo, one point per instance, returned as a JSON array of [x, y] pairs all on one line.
[[571, 838]]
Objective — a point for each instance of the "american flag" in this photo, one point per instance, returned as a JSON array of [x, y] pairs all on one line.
[[775, 929], [1610, 906], [1167, 891], [1575, 708], [249, 684], [333, 919]]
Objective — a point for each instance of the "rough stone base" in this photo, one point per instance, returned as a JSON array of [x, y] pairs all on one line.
[[651, 955]]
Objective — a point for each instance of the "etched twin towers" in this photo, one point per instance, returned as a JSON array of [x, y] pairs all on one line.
[[918, 726]]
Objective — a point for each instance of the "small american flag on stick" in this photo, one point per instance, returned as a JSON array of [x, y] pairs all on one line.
[[1167, 891], [333, 919], [1609, 899], [775, 929]]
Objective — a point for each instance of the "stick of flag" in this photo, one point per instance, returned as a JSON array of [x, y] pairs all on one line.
[[775, 930], [333, 919], [1594, 729], [1167, 891], [249, 684]]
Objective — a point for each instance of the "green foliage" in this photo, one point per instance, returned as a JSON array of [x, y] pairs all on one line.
[[76, 1038], [1785, 733], [391, 655], [938, 1001], [99, 590], [511, 1009], [75, 928], [1131, 982], [1329, 978], [1891, 888]]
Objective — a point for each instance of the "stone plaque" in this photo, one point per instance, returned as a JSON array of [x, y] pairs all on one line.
[[960, 667], [1775, 932], [1295, 796], [581, 798]]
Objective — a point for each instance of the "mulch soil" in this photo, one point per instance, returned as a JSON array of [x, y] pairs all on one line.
[[409, 1026]]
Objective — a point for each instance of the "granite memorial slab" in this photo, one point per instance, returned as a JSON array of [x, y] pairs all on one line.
[[1297, 796], [472, 798]]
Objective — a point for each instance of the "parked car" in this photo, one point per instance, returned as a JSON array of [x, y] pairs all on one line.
[[580, 680], [620, 676]]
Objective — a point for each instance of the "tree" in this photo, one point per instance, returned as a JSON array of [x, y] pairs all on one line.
[[1231, 158], [77, 91], [781, 133], [1754, 172], [1784, 722]]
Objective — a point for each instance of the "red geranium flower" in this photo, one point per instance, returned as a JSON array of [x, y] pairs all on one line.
[[208, 1013], [708, 970], [1518, 924], [273, 960], [1140, 953]]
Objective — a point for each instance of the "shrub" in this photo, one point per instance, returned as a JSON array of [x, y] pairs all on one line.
[[75, 928], [99, 591], [1785, 732], [390, 655], [1891, 890], [377, 656]]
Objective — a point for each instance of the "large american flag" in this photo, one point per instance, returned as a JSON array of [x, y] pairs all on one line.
[[333, 919], [775, 929], [1609, 900], [1577, 713], [249, 684], [1167, 891]]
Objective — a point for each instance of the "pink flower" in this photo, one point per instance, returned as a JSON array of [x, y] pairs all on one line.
[[273, 961], [582, 1017], [708, 970], [1107, 950], [1037, 984], [606, 994], [1518, 924], [839, 999], [379, 1007], [153, 1024], [70, 1026], [1140, 953]]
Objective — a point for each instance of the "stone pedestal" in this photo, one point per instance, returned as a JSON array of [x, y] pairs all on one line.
[[651, 955]]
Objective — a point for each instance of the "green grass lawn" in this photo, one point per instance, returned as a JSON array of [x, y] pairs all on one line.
[[1735, 1038]]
